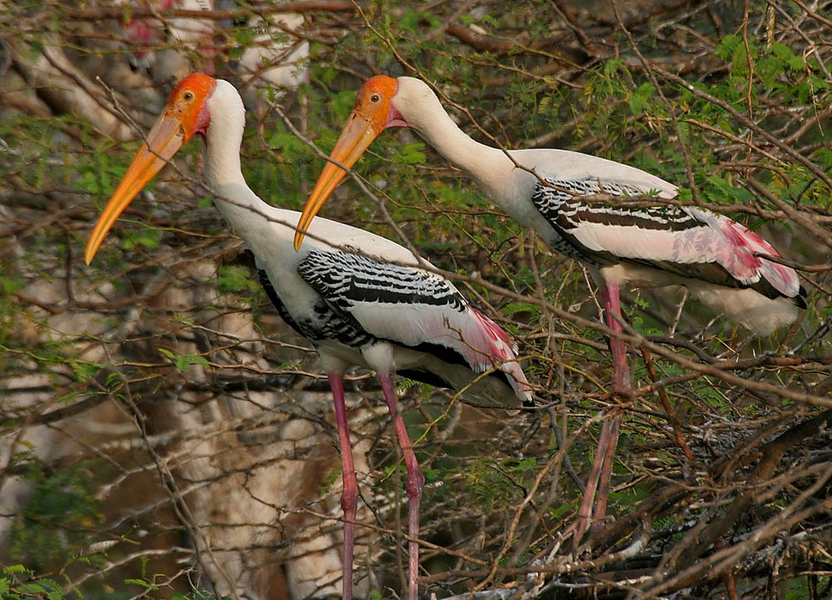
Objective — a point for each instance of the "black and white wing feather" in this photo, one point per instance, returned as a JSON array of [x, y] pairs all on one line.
[[411, 307], [685, 241]]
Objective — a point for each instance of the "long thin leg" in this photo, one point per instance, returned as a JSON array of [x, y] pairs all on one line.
[[414, 484], [612, 310], [599, 467], [601, 472], [349, 495], [605, 475]]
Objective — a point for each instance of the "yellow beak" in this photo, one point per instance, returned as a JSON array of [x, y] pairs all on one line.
[[358, 134], [163, 141]]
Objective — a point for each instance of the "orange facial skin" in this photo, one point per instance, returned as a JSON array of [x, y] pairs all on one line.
[[372, 114], [184, 116]]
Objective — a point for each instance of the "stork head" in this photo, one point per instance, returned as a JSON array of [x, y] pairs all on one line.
[[373, 113], [185, 114]]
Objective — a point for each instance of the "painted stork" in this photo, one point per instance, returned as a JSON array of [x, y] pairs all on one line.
[[163, 47], [359, 298], [717, 259], [170, 49]]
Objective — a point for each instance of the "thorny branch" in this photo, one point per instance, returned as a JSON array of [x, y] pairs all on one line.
[[724, 470]]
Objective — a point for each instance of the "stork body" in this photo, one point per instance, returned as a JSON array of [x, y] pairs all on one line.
[[163, 47], [359, 298], [549, 191], [267, 64], [170, 49]]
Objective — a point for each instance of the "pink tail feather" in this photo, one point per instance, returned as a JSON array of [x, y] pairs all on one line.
[[504, 352], [783, 279]]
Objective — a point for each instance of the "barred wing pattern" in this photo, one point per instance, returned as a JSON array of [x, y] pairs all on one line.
[[327, 325], [685, 241], [717, 260], [411, 307]]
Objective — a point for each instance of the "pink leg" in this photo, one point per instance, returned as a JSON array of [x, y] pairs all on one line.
[[349, 496], [606, 450], [601, 472], [599, 476], [414, 484], [612, 310]]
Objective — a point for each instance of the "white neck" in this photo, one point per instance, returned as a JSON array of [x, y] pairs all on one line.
[[224, 136], [222, 168], [420, 107]]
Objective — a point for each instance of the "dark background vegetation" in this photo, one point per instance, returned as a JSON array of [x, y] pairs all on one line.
[[164, 434]]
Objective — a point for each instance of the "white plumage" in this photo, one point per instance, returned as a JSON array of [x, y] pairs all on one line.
[[360, 299], [510, 180], [558, 194], [271, 58]]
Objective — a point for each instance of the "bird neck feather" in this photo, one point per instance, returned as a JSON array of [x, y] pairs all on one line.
[[424, 112], [224, 137], [222, 165]]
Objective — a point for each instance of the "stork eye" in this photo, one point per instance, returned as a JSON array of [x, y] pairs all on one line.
[[375, 98], [188, 96]]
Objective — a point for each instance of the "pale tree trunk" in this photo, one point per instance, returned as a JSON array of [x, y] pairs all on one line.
[[247, 476], [243, 470]]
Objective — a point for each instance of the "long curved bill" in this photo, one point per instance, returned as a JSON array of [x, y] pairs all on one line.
[[163, 141], [357, 136]]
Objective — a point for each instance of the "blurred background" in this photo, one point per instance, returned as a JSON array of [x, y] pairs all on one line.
[[164, 434]]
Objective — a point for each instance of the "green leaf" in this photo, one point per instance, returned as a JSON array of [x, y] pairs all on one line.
[[412, 154], [727, 46], [639, 101], [488, 19], [514, 308], [10, 284], [47, 588], [410, 20], [148, 238], [167, 353], [17, 569], [787, 57], [232, 279], [183, 361], [342, 104], [744, 58], [141, 582], [722, 191], [85, 370], [685, 195]]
